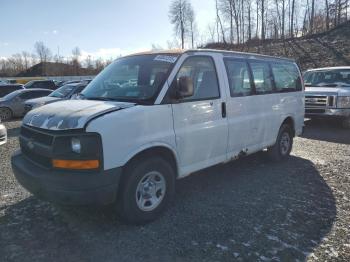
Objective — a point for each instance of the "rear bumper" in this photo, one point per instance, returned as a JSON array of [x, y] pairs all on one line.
[[67, 188], [327, 113]]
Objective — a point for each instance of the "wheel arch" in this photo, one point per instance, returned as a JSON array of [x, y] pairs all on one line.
[[289, 120], [162, 150], [8, 108]]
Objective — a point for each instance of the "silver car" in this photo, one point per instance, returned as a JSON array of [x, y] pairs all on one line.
[[12, 105], [65, 92], [3, 134]]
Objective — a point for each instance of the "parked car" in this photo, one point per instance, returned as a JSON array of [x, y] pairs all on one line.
[[327, 93], [63, 93], [12, 105], [45, 84], [9, 88], [59, 83], [149, 119], [3, 134]]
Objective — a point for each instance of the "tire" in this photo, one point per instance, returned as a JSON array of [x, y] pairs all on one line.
[[346, 123], [284, 144], [5, 113], [152, 176]]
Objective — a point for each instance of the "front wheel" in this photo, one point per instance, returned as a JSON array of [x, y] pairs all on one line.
[[147, 187], [284, 144]]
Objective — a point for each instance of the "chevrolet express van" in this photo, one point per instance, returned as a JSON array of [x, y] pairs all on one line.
[[151, 118]]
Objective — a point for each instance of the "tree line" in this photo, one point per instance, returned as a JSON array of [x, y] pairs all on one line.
[[21, 62], [245, 21], [235, 22]]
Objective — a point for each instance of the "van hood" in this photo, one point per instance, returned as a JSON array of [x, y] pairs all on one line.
[[70, 114], [341, 91]]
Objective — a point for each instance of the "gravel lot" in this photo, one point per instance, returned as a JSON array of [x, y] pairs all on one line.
[[248, 210]]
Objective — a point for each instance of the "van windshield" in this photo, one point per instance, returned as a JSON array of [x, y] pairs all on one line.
[[328, 78], [132, 79]]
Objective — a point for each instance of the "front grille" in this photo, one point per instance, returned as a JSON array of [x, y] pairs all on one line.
[[36, 145], [315, 111], [320, 101], [36, 158], [36, 136]]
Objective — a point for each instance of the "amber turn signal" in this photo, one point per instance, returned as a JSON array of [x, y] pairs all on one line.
[[76, 164]]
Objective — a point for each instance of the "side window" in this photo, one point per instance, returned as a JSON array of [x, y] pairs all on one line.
[[203, 74], [79, 89], [238, 76], [262, 77], [42, 93], [286, 77], [27, 95]]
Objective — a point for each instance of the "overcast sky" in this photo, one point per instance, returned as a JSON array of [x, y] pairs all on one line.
[[103, 28]]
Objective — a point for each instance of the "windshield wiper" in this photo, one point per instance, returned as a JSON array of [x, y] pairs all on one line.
[[99, 98]]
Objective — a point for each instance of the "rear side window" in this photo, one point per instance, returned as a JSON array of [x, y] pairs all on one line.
[[287, 77], [33, 94], [262, 77], [202, 71], [239, 78]]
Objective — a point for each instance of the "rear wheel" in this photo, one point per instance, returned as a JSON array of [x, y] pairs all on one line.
[[284, 144], [147, 187], [5, 113]]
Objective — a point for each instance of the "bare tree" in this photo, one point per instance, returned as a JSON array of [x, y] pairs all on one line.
[[75, 59], [26, 59], [263, 19], [43, 52], [291, 31], [312, 16], [178, 15], [191, 21]]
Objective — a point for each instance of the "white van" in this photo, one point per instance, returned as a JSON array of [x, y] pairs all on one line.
[[150, 118]]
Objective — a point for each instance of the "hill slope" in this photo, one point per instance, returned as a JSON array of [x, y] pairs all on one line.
[[331, 48], [54, 69]]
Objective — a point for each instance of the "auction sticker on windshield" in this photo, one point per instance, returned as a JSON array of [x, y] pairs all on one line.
[[165, 58]]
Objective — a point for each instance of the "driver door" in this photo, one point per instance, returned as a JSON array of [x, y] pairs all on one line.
[[200, 126]]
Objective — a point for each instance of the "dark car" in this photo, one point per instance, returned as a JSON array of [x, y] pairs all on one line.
[[12, 105], [45, 84], [9, 88], [63, 93]]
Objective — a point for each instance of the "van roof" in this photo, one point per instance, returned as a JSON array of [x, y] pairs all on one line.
[[224, 52], [329, 68]]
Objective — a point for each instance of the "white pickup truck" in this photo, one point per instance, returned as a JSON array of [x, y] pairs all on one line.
[[151, 118], [327, 93]]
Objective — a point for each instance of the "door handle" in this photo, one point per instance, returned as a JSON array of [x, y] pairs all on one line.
[[223, 109]]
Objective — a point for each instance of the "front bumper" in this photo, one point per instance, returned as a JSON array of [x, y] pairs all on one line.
[[327, 113], [64, 187]]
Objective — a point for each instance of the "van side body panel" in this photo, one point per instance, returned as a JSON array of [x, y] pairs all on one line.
[[127, 132]]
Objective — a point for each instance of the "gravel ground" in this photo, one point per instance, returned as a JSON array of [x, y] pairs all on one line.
[[247, 210]]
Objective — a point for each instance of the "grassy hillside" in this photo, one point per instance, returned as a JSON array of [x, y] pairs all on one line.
[[331, 48]]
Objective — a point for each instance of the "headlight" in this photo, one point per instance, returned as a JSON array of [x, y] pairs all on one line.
[[76, 145], [343, 102], [77, 151]]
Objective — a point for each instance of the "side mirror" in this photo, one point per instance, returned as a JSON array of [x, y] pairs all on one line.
[[184, 87]]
